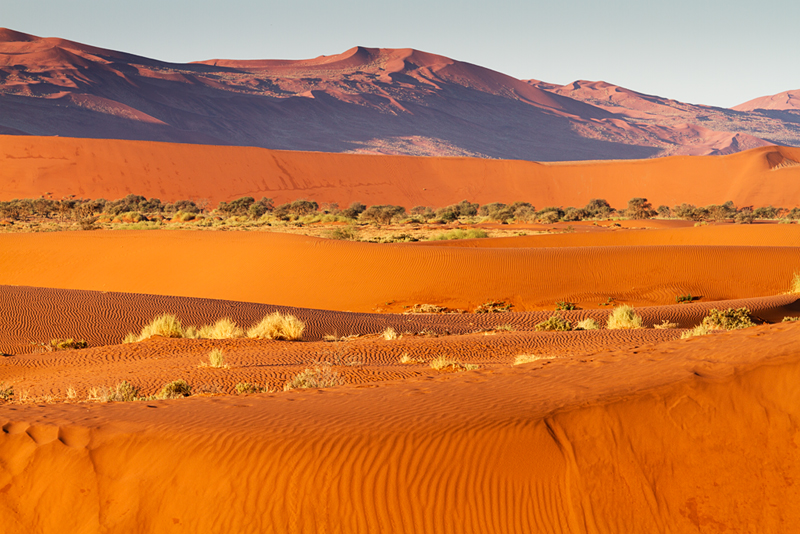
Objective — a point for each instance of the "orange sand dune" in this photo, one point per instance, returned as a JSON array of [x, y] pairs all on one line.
[[104, 318], [308, 272], [33, 166], [687, 436]]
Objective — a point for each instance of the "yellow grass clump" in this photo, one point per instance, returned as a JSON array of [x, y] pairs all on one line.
[[164, 325], [794, 286], [318, 377], [441, 363], [278, 326], [225, 328], [390, 334], [587, 324], [699, 330], [623, 317], [216, 360]]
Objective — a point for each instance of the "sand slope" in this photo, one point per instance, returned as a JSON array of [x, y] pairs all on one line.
[[290, 270], [687, 436], [33, 166]]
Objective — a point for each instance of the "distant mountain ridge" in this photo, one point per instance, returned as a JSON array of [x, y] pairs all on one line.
[[369, 100]]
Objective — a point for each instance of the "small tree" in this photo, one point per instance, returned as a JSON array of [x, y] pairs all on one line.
[[639, 208]]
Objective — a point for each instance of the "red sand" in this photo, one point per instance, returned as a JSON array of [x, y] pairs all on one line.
[[308, 272], [90, 168], [688, 436]]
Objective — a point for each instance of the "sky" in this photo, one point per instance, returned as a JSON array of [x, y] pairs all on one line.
[[713, 52]]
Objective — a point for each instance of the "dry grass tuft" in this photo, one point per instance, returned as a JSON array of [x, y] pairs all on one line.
[[699, 330], [529, 358], [225, 328], [243, 388], [390, 334], [174, 390], [665, 325], [278, 326], [794, 286], [321, 376], [554, 323], [623, 317], [216, 360], [67, 344], [164, 325], [587, 324], [441, 363]]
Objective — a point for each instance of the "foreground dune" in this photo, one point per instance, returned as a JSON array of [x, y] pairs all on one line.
[[98, 168], [308, 272], [685, 436]]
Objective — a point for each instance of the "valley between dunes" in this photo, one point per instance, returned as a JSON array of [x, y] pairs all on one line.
[[598, 430]]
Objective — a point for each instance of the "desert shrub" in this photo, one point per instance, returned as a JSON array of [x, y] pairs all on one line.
[[258, 209], [354, 210], [382, 214], [665, 325], [575, 214], [598, 208], [680, 299], [553, 323], [175, 390], [390, 334], [745, 216], [243, 388], [564, 305], [298, 208], [426, 308], [67, 344], [550, 215], [319, 377], [185, 206], [767, 212], [494, 306], [587, 324], [344, 233], [793, 214], [699, 330], [225, 328], [504, 328], [623, 317], [529, 358], [216, 360], [794, 285], [472, 233], [164, 325], [664, 211], [278, 326], [122, 392], [183, 216], [639, 208], [722, 212], [6, 391], [237, 207], [789, 319], [690, 212], [730, 319], [441, 363]]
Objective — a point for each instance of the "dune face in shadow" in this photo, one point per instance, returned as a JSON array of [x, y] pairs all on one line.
[[111, 169], [388, 101]]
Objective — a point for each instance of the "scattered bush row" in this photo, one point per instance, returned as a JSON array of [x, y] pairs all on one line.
[[136, 208]]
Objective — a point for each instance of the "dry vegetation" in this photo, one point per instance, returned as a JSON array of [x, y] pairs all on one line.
[[276, 326]]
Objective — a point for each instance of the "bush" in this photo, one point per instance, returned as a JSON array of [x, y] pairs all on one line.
[[441, 363], [680, 299], [6, 391], [175, 390], [225, 328], [319, 377], [278, 326], [564, 305], [67, 344], [745, 216], [164, 325], [246, 387], [639, 208], [553, 323], [623, 317], [587, 324], [730, 319], [345, 233], [473, 233], [599, 208], [494, 306], [794, 285], [240, 206], [216, 360], [123, 392], [382, 214]]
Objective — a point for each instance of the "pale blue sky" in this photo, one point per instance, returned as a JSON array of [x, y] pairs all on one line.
[[716, 52]]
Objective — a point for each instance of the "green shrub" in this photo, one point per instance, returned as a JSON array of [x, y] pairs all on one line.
[[123, 392], [680, 299], [554, 323], [494, 306], [563, 305], [730, 319]]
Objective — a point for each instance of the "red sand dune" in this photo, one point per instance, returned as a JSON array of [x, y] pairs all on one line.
[[687, 436], [788, 100], [334, 275], [32, 166]]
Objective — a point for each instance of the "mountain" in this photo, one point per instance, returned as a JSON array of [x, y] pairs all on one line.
[[365, 100]]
